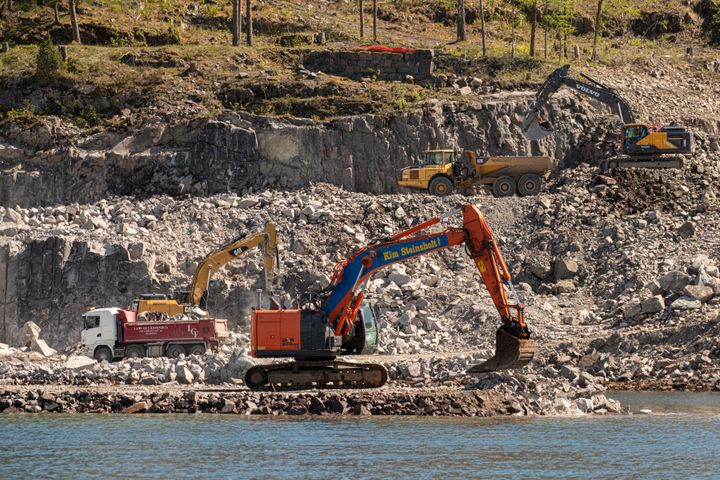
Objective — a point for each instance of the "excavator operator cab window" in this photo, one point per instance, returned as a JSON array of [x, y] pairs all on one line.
[[449, 157], [635, 133]]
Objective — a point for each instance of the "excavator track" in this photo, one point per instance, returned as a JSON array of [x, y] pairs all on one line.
[[305, 374], [652, 162]]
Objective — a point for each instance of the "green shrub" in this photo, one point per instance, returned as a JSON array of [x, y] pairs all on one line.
[[50, 66], [712, 25]]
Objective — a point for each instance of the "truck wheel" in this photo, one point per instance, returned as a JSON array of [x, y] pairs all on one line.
[[529, 185], [135, 351], [196, 350], [440, 186], [103, 354], [174, 351], [504, 187]]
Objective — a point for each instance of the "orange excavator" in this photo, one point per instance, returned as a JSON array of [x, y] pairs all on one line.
[[338, 321]]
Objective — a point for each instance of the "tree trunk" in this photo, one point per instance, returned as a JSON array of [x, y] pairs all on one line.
[[512, 41], [10, 5], [74, 22], [249, 26], [594, 56], [2, 9], [374, 20], [533, 29], [460, 20], [545, 31], [482, 26], [362, 19], [236, 25], [56, 10]]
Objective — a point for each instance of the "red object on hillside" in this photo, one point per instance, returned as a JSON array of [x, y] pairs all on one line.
[[385, 48]]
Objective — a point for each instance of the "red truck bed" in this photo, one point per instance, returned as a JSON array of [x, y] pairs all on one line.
[[211, 330]]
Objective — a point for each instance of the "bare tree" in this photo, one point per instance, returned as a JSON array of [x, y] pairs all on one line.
[[545, 29], [482, 26], [460, 20], [533, 28], [597, 30], [236, 22], [56, 11], [374, 6], [513, 22], [249, 28], [362, 19], [74, 21]]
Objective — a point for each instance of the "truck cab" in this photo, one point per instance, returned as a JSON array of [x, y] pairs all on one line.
[[436, 163], [99, 333]]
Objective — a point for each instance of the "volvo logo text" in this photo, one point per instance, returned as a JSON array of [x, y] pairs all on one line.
[[588, 91]]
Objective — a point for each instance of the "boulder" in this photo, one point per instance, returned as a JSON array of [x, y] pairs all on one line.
[[674, 281], [40, 346], [699, 292], [686, 303], [79, 362], [565, 268], [30, 331], [653, 304], [8, 229], [632, 309]]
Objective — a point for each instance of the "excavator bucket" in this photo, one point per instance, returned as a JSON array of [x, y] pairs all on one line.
[[535, 131], [510, 353]]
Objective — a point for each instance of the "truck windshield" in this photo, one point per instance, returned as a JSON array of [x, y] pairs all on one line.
[[434, 158], [91, 322]]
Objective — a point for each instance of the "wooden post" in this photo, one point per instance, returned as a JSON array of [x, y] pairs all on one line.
[[249, 27], [74, 22], [374, 20], [63, 52], [362, 19]]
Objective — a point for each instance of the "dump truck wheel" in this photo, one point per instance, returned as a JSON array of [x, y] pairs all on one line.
[[529, 185], [135, 351], [103, 353], [440, 186], [197, 350], [174, 351], [504, 187]]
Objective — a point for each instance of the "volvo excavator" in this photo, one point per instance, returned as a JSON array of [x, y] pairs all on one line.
[[194, 301], [642, 144], [338, 321]]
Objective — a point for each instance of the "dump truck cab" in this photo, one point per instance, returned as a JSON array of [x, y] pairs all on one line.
[[99, 330], [434, 173]]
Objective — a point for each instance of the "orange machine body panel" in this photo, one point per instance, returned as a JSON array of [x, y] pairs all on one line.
[[275, 330]]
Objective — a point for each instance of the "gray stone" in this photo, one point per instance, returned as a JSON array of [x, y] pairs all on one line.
[[464, 91], [686, 303], [40, 346], [565, 268], [653, 304], [674, 281], [585, 405], [8, 229], [632, 309], [79, 362], [699, 292], [29, 332], [540, 268], [564, 286], [185, 375]]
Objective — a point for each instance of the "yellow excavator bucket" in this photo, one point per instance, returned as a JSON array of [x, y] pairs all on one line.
[[510, 353]]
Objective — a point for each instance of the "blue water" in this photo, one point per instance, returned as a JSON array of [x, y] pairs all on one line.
[[681, 441]]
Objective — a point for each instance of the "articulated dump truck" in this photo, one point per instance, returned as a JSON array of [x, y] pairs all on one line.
[[443, 171]]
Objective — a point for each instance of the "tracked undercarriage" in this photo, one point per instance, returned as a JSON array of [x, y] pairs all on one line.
[[308, 374]]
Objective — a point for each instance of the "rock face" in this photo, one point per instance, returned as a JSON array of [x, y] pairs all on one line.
[[239, 151]]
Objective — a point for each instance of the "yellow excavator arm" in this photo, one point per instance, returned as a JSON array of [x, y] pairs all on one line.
[[266, 240]]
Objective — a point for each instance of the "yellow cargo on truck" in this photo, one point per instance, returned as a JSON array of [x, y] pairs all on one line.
[[444, 171]]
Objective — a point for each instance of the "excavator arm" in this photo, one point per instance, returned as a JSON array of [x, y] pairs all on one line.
[[266, 240], [593, 89], [514, 349]]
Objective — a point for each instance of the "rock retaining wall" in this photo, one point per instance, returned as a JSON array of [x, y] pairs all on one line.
[[381, 65]]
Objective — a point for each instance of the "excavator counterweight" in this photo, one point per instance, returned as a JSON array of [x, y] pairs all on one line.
[[340, 322]]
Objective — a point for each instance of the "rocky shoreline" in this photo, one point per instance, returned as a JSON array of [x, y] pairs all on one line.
[[454, 402]]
